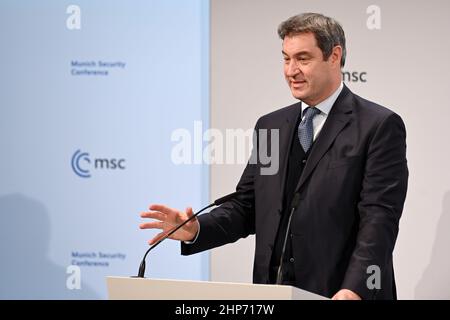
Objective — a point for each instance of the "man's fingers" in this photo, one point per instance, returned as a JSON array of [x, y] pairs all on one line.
[[156, 238], [153, 214], [152, 225], [346, 294], [167, 220], [162, 208]]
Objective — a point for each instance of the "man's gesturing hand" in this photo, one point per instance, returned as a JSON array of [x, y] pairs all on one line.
[[167, 219], [345, 294]]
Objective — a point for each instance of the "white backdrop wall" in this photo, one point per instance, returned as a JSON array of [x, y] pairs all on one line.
[[405, 67]]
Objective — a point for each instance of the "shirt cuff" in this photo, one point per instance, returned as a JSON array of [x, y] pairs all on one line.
[[196, 236]]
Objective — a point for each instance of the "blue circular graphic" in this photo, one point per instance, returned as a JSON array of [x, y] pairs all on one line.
[[77, 156]]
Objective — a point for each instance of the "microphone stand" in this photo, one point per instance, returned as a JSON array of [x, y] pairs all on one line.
[[295, 202]]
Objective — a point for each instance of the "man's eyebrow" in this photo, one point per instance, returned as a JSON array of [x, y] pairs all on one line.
[[304, 52]]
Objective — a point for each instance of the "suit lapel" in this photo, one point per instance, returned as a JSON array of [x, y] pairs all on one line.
[[286, 137], [336, 121], [287, 129]]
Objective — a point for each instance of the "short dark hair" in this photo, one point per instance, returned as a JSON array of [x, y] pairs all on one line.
[[327, 31]]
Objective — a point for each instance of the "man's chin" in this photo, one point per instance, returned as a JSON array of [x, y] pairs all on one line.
[[300, 95]]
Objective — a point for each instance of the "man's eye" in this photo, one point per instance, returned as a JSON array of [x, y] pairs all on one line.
[[304, 60]]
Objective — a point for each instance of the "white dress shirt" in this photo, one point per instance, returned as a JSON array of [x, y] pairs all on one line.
[[325, 108]]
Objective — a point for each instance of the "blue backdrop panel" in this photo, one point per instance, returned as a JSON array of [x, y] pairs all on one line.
[[89, 97]]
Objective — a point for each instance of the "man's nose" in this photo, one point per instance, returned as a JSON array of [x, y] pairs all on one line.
[[292, 69]]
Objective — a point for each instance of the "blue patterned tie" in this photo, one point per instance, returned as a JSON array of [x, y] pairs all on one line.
[[305, 128]]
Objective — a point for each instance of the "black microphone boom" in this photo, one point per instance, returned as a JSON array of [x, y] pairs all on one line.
[[226, 198], [215, 203]]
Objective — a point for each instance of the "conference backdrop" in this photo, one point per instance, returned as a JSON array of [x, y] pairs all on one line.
[[397, 56], [90, 94]]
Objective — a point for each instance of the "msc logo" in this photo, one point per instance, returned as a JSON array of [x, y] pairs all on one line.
[[77, 166], [82, 164], [354, 76]]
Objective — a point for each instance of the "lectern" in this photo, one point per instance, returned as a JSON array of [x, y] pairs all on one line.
[[159, 289]]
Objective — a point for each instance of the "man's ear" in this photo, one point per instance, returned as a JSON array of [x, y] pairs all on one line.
[[336, 56]]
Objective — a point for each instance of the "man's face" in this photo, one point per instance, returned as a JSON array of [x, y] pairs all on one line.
[[310, 78]]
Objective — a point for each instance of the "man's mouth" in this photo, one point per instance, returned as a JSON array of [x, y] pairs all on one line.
[[298, 83]]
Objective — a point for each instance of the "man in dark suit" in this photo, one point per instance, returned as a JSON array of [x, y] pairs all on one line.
[[327, 221]]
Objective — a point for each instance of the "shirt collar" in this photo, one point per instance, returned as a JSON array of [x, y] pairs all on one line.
[[326, 105]]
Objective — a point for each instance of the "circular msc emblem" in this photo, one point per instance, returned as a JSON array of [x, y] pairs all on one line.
[[77, 159]]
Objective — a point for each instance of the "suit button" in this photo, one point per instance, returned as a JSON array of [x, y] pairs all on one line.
[[291, 260], [304, 161]]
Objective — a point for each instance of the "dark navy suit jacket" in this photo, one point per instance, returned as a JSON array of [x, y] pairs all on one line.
[[352, 192]]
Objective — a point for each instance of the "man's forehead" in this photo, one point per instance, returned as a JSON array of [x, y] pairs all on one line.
[[300, 38], [299, 43]]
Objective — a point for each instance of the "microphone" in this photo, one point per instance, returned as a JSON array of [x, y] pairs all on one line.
[[294, 205], [217, 202]]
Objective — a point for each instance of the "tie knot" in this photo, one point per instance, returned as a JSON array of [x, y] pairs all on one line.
[[310, 112]]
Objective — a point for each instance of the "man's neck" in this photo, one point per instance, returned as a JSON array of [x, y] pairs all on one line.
[[335, 88]]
